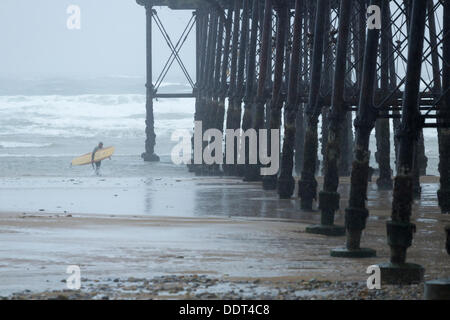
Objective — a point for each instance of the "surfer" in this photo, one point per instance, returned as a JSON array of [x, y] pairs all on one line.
[[98, 163]]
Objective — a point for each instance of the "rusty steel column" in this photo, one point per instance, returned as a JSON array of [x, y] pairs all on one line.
[[326, 89], [420, 160], [393, 85], [300, 120], [286, 182], [399, 229], [213, 79], [212, 114], [150, 142], [229, 168], [253, 171], [420, 165], [356, 214], [346, 140], [287, 54], [276, 104], [208, 88], [308, 184], [202, 32], [346, 137], [250, 83], [382, 127], [224, 70], [201, 84], [240, 92], [211, 85], [329, 197], [346, 159], [444, 133]]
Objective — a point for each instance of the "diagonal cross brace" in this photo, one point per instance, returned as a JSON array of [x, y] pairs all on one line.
[[174, 48]]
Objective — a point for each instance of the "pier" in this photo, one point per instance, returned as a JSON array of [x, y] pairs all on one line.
[[355, 66]]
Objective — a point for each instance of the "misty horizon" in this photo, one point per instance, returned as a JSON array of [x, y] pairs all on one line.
[[110, 43]]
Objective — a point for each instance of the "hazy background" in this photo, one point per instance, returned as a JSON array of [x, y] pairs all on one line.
[[62, 91], [37, 44]]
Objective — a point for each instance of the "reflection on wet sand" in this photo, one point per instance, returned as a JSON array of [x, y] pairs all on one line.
[[218, 227]]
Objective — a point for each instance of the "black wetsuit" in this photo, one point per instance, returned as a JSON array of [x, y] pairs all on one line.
[[99, 163]]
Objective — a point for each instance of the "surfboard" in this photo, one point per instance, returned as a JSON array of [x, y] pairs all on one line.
[[100, 155]]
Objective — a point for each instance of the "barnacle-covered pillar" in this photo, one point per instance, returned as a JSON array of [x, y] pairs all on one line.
[[286, 182], [329, 197], [240, 90], [444, 132], [253, 171], [382, 127], [223, 73], [356, 214], [276, 104], [202, 26], [399, 229], [229, 169], [308, 184], [249, 98]]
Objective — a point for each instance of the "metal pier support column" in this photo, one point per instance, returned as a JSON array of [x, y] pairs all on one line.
[[444, 133], [276, 104], [224, 69], [202, 32], [308, 184], [356, 214], [149, 154], [240, 92], [300, 119], [326, 88], [247, 119], [229, 169], [212, 114], [329, 197], [253, 171], [286, 182], [399, 229], [382, 127], [206, 89], [439, 289]]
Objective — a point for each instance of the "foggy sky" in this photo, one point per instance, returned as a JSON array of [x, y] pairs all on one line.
[[35, 41]]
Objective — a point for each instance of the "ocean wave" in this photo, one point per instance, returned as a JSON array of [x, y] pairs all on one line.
[[90, 115], [17, 144]]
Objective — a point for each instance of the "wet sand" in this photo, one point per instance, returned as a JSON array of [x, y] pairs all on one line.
[[197, 238]]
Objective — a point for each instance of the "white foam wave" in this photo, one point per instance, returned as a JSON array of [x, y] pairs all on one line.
[[16, 144], [89, 115]]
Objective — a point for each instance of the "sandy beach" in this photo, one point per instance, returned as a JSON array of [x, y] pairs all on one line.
[[115, 116], [204, 245]]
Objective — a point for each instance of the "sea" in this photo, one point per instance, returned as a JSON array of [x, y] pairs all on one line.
[[46, 122]]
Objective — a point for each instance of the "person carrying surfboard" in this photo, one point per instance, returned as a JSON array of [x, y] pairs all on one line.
[[100, 153], [98, 163]]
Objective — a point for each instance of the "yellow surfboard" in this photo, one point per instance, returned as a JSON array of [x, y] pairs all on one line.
[[100, 155]]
